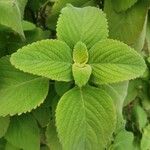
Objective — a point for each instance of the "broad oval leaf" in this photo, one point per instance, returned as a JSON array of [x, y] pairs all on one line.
[[122, 5], [48, 58], [85, 119], [23, 133], [62, 87], [145, 144], [123, 141], [113, 61], [148, 34], [117, 92], [21, 5], [59, 4], [139, 116], [11, 15], [4, 123], [87, 25], [126, 26], [42, 115], [9, 146], [28, 26], [52, 138], [20, 92]]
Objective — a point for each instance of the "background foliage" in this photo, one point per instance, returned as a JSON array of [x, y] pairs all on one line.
[[23, 22]]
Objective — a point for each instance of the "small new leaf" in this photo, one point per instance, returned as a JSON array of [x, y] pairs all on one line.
[[81, 73], [80, 53]]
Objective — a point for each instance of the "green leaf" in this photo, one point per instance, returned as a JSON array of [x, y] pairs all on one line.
[[81, 73], [21, 5], [11, 15], [47, 58], [113, 61], [123, 141], [133, 90], [4, 123], [59, 4], [148, 33], [42, 115], [36, 35], [27, 26], [126, 26], [122, 5], [140, 41], [87, 25], [51, 137], [145, 144], [80, 53], [139, 116], [44, 148], [2, 144], [10, 147], [24, 133], [20, 92], [117, 92], [85, 119], [62, 87]]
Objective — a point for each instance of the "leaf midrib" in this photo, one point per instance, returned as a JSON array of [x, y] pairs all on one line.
[[85, 122]]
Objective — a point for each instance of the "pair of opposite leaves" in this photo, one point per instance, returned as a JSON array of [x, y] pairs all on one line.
[[84, 115]]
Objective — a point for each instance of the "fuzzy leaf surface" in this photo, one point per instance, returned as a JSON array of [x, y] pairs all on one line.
[[123, 140], [117, 92], [80, 53], [20, 92], [81, 74], [11, 16], [126, 26], [87, 25], [4, 123], [24, 133], [59, 4], [113, 61], [52, 138], [122, 5], [47, 58], [85, 119], [22, 5], [145, 144], [42, 115]]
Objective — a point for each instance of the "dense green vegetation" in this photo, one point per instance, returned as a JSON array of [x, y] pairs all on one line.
[[74, 75]]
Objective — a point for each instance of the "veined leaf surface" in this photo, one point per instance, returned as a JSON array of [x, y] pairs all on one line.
[[11, 15], [113, 61], [47, 58], [122, 5], [24, 133], [87, 25], [85, 119], [19, 92]]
